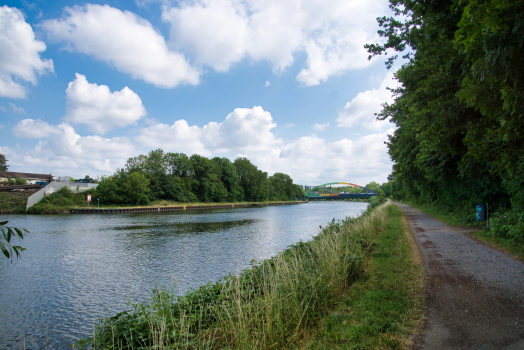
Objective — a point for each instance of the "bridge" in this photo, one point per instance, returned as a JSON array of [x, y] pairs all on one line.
[[312, 195]]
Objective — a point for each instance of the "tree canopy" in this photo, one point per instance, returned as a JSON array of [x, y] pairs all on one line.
[[460, 107], [175, 176]]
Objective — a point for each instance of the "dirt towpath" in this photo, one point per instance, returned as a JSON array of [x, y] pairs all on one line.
[[475, 295]]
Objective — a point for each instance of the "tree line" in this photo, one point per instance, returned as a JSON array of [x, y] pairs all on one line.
[[177, 177], [460, 107]]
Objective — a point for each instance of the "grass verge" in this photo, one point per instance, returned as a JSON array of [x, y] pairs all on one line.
[[385, 306], [355, 285]]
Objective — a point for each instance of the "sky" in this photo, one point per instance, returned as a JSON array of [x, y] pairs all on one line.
[[285, 83]]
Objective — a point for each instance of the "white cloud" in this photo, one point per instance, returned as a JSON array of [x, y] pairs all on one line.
[[19, 54], [361, 110], [267, 83], [289, 125], [99, 108], [2, 126], [311, 160], [243, 130], [16, 109], [320, 127], [34, 129], [123, 39], [62, 151], [220, 33]]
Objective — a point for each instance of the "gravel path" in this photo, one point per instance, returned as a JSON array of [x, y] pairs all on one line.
[[475, 295]]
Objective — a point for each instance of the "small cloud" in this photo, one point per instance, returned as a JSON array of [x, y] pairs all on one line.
[[267, 83], [2, 108], [320, 127], [16, 109], [2, 126], [289, 125]]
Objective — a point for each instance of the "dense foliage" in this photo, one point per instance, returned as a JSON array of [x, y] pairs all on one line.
[[177, 177], [460, 107]]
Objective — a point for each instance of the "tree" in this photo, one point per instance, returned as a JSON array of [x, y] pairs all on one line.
[[3, 163], [5, 241], [253, 181], [459, 107], [230, 179], [136, 187]]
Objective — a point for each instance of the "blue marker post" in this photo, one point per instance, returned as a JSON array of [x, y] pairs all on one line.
[[482, 213]]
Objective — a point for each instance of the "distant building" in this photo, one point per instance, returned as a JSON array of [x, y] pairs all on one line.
[[29, 177]]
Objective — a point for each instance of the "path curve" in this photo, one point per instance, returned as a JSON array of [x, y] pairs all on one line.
[[475, 294]]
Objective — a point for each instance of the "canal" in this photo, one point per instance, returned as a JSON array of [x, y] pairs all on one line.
[[80, 268]]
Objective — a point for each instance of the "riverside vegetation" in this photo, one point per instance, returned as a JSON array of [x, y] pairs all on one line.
[[459, 109], [352, 286], [170, 178]]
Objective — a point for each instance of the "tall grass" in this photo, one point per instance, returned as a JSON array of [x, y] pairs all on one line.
[[271, 305]]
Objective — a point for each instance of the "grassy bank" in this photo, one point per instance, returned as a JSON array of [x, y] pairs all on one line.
[[493, 236], [354, 285], [62, 201]]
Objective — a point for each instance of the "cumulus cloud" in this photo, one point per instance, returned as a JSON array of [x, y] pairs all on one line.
[[267, 83], [99, 108], [34, 129], [19, 54], [312, 160], [124, 40], [361, 109], [219, 33], [243, 130], [320, 127], [62, 151]]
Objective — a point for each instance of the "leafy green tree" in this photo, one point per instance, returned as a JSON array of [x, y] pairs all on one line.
[[3, 163], [178, 164], [111, 190], [230, 179], [451, 145], [5, 240], [136, 164], [373, 186], [206, 180], [253, 181], [136, 187]]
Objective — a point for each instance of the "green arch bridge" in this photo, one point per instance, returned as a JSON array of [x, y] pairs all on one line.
[[312, 195]]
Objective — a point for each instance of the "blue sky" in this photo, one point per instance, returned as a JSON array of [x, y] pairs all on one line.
[[287, 84]]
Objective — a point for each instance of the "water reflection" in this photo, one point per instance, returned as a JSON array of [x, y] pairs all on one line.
[[79, 268]]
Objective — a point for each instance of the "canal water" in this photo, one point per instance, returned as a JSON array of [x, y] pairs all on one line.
[[80, 268]]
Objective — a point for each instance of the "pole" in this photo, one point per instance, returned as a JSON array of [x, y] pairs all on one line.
[[98, 200], [487, 216]]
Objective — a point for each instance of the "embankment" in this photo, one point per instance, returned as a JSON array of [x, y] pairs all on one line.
[[175, 208], [353, 284]]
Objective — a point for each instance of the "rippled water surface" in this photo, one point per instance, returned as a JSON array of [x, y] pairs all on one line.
[[80, 268]]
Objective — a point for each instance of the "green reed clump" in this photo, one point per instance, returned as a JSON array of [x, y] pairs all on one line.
[[268, 306]]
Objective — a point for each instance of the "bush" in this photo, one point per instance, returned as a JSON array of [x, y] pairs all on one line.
[[508, 225]]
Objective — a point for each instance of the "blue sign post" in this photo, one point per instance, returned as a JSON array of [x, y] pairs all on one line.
[[481, 212]]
